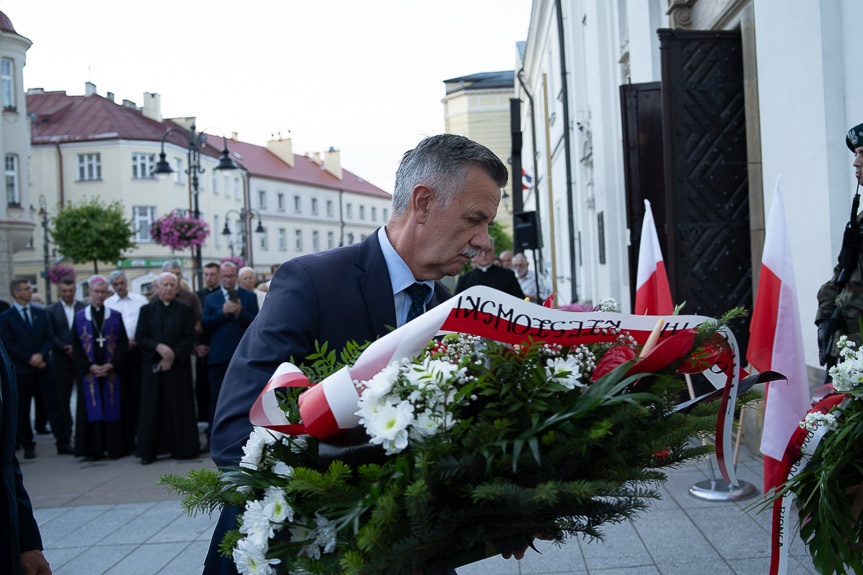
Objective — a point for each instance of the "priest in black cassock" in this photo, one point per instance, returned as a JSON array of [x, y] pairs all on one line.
[[166, 334], [99, 349], [487, 274]]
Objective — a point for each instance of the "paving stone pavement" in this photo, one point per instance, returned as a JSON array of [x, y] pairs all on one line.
[[109, 517]]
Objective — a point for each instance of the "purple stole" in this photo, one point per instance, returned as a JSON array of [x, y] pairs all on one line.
[[102, 396]]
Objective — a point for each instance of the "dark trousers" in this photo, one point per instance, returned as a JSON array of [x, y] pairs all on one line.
[[215, 375], [41, 381], [64, 380]]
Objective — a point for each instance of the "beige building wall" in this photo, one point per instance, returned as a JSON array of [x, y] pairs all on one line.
[[117, 184], [483, 116], [16, 218]]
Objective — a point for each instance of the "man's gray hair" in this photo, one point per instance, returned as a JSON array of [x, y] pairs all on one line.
[[441, 162], [171, 264], [228, 263], [96, 279], [116, 274], [246, 268]]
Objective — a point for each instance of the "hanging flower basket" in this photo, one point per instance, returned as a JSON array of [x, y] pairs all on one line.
[[179, 232], [236, 260], [57, 273]]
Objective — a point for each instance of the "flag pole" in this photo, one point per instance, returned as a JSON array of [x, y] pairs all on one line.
[[548, 187]]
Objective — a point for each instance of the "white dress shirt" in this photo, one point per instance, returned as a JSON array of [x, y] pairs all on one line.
[[129, 307]]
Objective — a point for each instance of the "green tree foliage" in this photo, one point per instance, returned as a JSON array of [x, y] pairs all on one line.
[[92, 230], [502, 241]]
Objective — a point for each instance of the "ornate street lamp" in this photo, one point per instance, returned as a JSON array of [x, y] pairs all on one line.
[[245, 215], [43, 211], [196, 141]]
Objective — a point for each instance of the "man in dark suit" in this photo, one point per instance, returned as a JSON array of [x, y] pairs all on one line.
[[62, 314], [26, 332], [486, 273], [20, 542], [446, 195], [228, 312]]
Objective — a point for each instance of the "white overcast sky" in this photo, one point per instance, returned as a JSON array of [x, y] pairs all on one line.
[[363, 76]]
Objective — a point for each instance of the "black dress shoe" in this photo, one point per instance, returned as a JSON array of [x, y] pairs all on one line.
[[65, 448], [30, 452]]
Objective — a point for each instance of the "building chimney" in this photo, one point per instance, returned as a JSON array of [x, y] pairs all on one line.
[[333, 162], [130, 104], [110, 96], [185, 123], [235, 136], [282, 149], [152, 106], [316, 158], [89, 88]]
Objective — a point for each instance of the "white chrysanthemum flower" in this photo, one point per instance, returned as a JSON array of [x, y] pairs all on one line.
[[368, 407], [608, 304], [296, 442], [427, 424], [382, 383], [276, 506], [388, 426], [256, 524], [253, 450], [322, 538], [282, 469], [565, 371], [847, 375], [251, 559]]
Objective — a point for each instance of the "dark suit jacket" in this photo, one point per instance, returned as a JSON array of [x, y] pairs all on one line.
[[495, 277], [334, 296], [227, 331], [205, 335], [22, 340], [18, 529], [62, 334]]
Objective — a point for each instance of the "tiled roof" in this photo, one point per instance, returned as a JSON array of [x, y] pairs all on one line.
[[59, 118], [259, 161], [6, 24]]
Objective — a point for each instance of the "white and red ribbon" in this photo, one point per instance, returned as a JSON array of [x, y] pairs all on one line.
[[330, 406], [797, 456]]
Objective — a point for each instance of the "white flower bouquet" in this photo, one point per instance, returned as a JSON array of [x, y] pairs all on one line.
[[480, 447]]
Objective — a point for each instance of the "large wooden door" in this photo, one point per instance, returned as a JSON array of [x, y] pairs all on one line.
[[706, 176]]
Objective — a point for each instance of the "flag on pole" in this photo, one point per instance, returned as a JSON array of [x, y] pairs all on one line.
[[526, 180], [652, 294], [776, 342]]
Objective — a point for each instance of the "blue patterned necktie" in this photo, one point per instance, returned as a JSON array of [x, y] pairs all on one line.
[[417, 293]]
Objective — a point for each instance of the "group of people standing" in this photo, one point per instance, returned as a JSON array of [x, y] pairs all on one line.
[[130, 359], [507, 272]]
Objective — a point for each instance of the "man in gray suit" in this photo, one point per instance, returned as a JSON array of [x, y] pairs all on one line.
[[61, 315]]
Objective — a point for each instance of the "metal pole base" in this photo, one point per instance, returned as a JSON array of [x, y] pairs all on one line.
[[722, 491]]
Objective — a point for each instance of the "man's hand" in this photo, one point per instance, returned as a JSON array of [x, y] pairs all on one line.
[[165, 351], [34, 563], [202, 350], [68, 350], [165, 364], [232, 308], [37, 360]]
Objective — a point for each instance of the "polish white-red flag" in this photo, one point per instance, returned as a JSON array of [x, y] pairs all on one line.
[[776, 342], [652, 294]]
